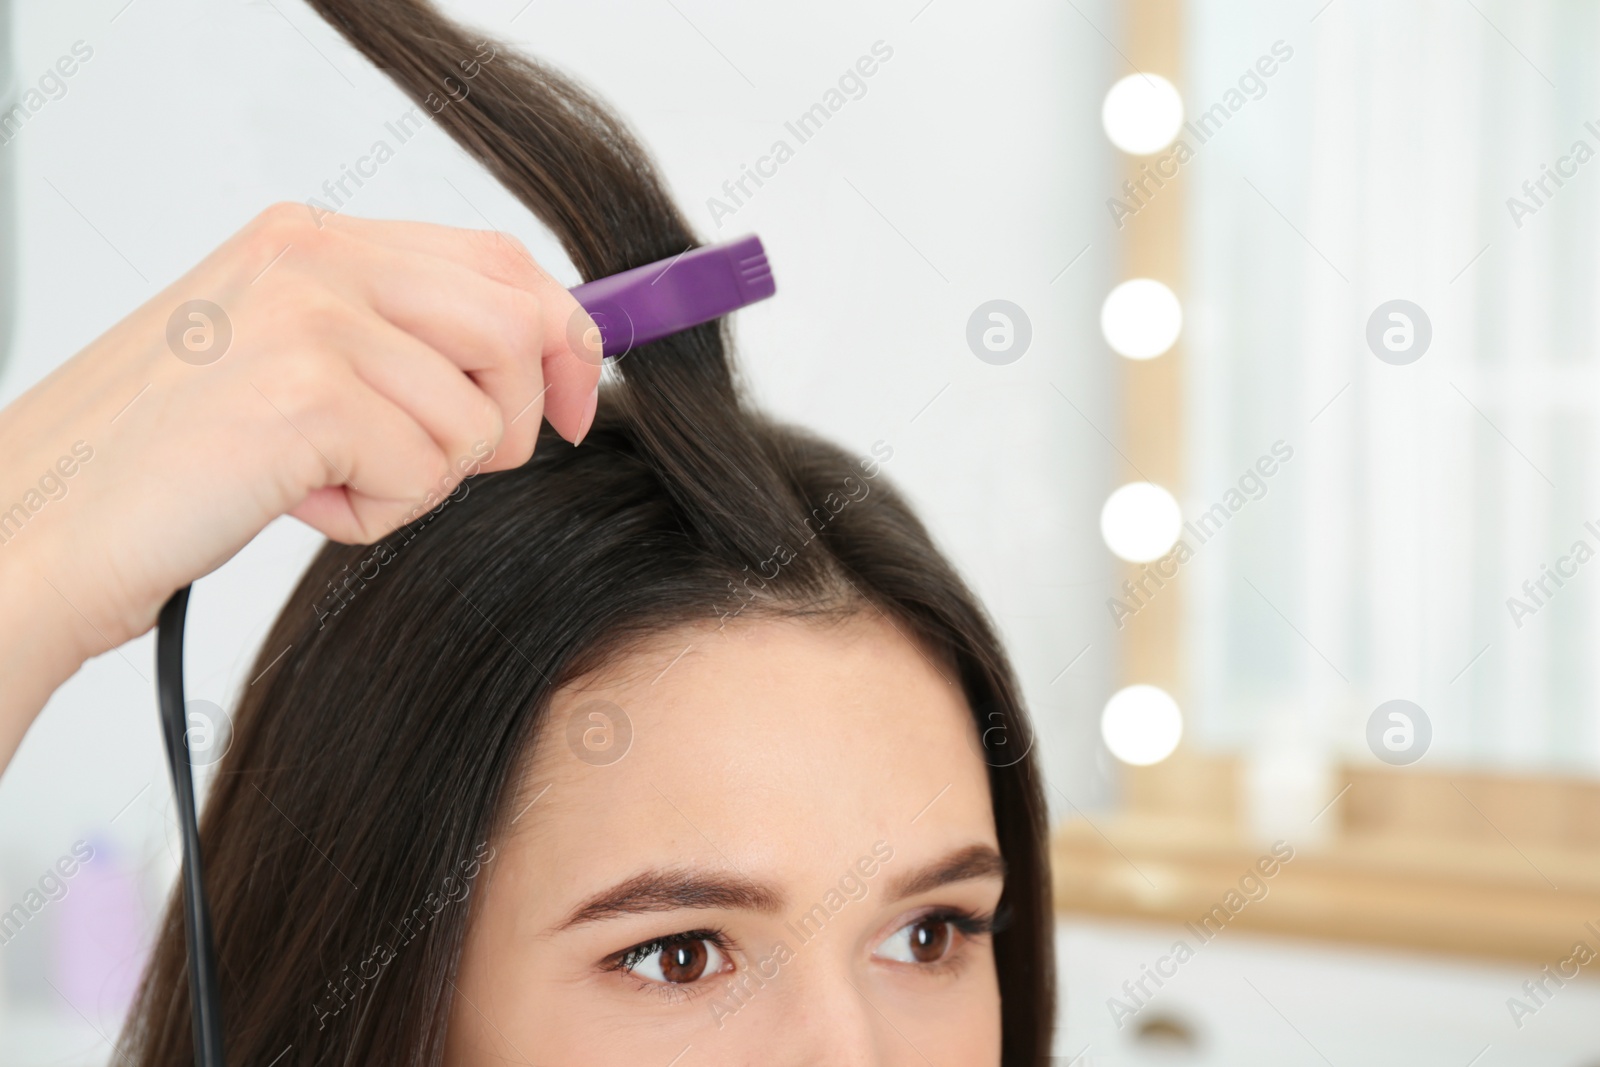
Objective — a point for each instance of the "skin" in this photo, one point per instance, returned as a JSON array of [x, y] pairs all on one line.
[[372, 365], [773, 755]]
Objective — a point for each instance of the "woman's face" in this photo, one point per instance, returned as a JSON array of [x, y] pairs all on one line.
[[794, 862]]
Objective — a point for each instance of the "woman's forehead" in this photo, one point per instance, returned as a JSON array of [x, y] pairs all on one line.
[[777, 745]]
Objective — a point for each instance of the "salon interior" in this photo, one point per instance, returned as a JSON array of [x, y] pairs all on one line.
[[1253, 382]]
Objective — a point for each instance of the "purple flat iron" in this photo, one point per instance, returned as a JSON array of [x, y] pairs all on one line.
[[658, 299]]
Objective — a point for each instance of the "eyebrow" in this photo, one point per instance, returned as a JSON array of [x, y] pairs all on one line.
[[967, 864], [670, 890], [676, 888]]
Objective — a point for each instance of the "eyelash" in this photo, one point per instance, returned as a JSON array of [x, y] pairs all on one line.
[[625, 961], [968, 924]]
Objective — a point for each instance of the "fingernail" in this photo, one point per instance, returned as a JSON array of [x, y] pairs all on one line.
[[584, 338], [588, 416], [595, 342]]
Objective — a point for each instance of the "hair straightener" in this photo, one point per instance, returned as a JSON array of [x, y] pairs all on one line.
[[630, 309]]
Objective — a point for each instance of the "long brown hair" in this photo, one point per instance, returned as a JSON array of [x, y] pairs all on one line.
[[376, 757]]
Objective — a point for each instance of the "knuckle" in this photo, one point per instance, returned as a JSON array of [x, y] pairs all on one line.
[[311, 313], [526, 325], [263, 246], [436, 479], [528, 307], [440, 473], [518, 449], [504, 256], [482, 439], [281, 224], [302, 382], [490, 425]]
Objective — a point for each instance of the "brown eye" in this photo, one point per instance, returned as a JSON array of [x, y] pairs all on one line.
[[675, 961], [684, 961], [930, 941]]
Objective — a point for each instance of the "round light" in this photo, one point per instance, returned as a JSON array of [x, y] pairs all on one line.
[[1142, 113], [1140, 522], [1141, 318], [1141, 725]]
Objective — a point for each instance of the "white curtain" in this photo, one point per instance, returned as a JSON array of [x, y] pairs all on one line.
[[1376, 165]]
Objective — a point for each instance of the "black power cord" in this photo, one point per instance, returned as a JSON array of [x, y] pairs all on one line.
[[205, 999]]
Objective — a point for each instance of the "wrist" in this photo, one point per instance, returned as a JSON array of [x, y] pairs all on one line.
[[42, 641]]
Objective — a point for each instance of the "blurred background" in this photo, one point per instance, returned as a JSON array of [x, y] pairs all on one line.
[[1243, 356]]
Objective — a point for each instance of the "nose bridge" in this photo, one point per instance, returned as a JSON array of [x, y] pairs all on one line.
[[833, 1022]]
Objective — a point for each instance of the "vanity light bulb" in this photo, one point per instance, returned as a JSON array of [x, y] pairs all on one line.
[[1140, 522], [1141, 318], [1141, 725], [1142, 114]]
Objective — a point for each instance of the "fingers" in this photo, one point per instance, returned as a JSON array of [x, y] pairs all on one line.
[[560, 335], [437, 356], [449, 406], [379, 467], [435, 320], [360, 438]]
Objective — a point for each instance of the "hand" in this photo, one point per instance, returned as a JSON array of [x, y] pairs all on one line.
[[358, 370]]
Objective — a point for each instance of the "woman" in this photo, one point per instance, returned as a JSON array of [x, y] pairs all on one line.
[[681, 746]]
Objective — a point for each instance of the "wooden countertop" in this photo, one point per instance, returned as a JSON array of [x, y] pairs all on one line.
[[1404, 865]]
